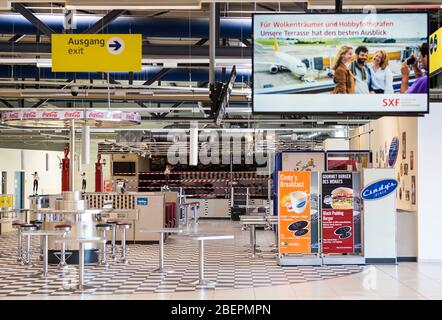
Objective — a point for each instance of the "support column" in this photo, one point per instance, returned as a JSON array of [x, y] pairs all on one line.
[[212, 42], [72, 159]]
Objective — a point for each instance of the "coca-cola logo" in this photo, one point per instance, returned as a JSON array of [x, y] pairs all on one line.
[[50, 114], [96, 115], [30, 115], [13, 115], [117, 116], [130, 117], [72, 114]]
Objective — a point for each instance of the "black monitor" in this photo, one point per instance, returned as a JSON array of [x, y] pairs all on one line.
[[123, 168], [225, 96]]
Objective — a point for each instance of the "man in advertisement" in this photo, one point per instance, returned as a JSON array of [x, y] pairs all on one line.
[[417, 63], [361, 71]]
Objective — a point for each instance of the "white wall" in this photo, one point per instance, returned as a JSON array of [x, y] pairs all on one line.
[[429, 181], [90, 168], [379, 140], [33, 160]]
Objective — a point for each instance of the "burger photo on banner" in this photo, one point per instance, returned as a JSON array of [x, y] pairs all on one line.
[[337, 213]]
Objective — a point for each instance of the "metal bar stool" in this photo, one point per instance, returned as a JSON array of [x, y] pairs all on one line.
[[62, 255], [123, 226], [39, 224], [28, 227], [103, 227], [17, 225], [113, 223]]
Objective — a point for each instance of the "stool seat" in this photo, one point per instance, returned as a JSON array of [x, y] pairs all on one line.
[[112, 221], [124, 225], [28, 225], [63, 226], [103, 225], [36, 222], [17, 223]]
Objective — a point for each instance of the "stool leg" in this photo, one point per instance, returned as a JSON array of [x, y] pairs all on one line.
[[102, 259], [114, 235], [81, 267], [123, 246], [20, 247], [28, 251], [63, 255]]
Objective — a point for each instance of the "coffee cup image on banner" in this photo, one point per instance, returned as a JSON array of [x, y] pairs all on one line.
[[340, 199], [343, 232], [298, 228], [296, 201]]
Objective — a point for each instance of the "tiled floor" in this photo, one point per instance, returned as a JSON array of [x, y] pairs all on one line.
[[238, 276]]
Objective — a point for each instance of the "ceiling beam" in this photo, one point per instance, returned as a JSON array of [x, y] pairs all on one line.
[[104, 22], [40, 25], [16, 38], [157, 76]]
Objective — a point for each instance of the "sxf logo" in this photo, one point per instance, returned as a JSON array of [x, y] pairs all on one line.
[[390, 102]]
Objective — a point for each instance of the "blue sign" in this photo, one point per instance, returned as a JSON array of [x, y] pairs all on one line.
[[379, 189], [142, 201], [393, 152]]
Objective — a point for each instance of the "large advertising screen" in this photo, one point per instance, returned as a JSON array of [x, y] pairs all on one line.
[[351, 63]]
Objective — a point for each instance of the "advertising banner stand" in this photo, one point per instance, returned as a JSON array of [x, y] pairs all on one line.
[[298, 218], [341, 218], [379, 196]]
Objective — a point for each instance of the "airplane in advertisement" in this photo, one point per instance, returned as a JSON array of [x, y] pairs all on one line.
[[284, 61]]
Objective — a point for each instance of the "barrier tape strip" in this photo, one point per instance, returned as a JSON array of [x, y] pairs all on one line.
[[198, 180], [190, 187], [190, 172]]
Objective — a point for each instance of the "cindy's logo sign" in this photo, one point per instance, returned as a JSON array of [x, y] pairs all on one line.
[[379, 189]]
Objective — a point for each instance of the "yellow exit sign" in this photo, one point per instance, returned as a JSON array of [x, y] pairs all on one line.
[[96, 52]]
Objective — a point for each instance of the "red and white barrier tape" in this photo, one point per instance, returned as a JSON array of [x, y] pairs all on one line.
[[199, 180], [189, 172]]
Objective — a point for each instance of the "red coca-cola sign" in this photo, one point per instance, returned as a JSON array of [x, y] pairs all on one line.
[[72, 114], [29, 115], [49, 115], [96, 115], [117, 115], [12, 115]]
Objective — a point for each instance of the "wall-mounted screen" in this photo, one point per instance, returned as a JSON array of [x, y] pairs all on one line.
[[123, 168], [350, 63]]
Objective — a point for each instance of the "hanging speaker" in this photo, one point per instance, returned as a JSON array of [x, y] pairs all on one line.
[[85, 144]]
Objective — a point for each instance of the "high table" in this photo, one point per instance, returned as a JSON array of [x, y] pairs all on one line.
[[82, 242], [45, 234], [82, 226], [252, 222], [201, 282], [162, 231]]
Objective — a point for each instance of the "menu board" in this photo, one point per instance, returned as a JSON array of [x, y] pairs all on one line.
[[294, 212], [337, 213]]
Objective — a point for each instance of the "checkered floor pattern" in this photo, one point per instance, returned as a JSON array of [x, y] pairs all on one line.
[[227, 262]]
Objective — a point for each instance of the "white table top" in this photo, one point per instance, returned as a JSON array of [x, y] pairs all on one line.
[[255, 222], [82, 240], [44, 233], [211, 237], [254, 206], [159, 230]]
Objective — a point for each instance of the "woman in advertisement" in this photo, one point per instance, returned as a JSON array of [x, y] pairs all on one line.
[[382, 77], [343, 78]]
